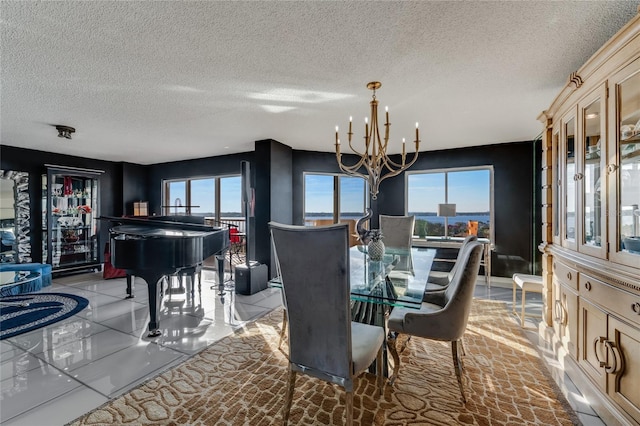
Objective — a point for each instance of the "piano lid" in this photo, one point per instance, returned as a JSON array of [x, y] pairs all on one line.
[[164, 222], [149, 232]]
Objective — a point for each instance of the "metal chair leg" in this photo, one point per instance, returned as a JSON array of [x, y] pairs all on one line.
[[457, 368], [404, 345], [289, 397], [463, 352], [349, 398], [285, 322], [392, 340], [379, 372]]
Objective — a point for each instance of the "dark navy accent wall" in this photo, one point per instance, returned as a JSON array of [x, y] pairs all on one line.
[[516, 195], [134, 186], [33, 162], [516, 191], [273, 189], [279, 182]]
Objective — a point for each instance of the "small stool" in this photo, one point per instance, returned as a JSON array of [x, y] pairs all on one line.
[[528, 283]]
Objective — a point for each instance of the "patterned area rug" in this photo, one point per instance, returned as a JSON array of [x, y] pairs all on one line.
[[37, 310], [241, 381]]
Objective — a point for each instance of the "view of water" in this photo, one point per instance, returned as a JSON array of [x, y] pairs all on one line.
[[429, 217]]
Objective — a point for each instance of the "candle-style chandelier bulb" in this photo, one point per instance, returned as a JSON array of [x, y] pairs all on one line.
[[374, 157]]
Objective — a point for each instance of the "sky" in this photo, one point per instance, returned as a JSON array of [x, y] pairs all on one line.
[[468, 189], [319, 193], [203, 194]]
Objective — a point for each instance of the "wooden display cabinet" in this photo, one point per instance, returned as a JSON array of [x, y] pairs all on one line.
[[591, 214]]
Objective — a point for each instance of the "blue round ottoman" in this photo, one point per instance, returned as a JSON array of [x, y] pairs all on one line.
[[43, 268]]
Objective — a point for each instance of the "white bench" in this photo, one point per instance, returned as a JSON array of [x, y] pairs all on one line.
[[528, 283]]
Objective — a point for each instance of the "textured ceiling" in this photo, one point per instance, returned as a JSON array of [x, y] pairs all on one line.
[[149, 82]]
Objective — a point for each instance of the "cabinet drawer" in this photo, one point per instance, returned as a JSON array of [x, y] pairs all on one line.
[[566, 275], [625, 305]]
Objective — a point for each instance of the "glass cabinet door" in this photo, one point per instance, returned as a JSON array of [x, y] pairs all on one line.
[[626, 200], [592, 179], [70, 238], [570, 204], [557, 182]]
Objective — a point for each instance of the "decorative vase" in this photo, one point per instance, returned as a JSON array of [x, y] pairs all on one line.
[[375, 248]]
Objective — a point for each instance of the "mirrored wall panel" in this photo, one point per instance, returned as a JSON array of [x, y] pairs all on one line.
[[15, 215]]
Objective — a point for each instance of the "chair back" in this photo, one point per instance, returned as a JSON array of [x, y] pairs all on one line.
[[234, 238], [459, 294], [314, 268], [456, 303], [463, 247], [353, 235], [397, 231]]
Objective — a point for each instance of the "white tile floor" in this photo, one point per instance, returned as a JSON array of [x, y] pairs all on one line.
[[53, 375]]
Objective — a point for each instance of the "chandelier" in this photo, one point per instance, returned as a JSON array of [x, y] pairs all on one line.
[[374, 157]]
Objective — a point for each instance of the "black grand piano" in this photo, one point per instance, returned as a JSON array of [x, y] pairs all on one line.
[[160, 246]]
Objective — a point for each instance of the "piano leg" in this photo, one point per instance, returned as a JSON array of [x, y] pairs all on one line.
[[130, 286], [154, 282], [220, 259]]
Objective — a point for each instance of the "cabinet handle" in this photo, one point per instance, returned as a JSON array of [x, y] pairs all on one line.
[[563, 311], [611, 168], [558, 312], [569, 275], [635, 307], [587, 285], [599, 340], [579, 176], [575, 177], [616, 358], [554, 265]]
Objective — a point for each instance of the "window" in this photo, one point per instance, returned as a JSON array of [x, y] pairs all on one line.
[[331, 198], [175, 198], [218, 198], [230, 198], [353, 193], [470, 190], [203, 197]]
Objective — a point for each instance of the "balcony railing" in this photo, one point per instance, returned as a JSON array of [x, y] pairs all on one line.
[[233, 222]]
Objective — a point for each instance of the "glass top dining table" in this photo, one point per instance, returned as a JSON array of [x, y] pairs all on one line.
[[398, 279]]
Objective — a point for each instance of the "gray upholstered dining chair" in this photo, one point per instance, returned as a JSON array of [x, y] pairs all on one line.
[[323, 341], [443, 316], [397, 232], [283, 330], [437, 282]]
